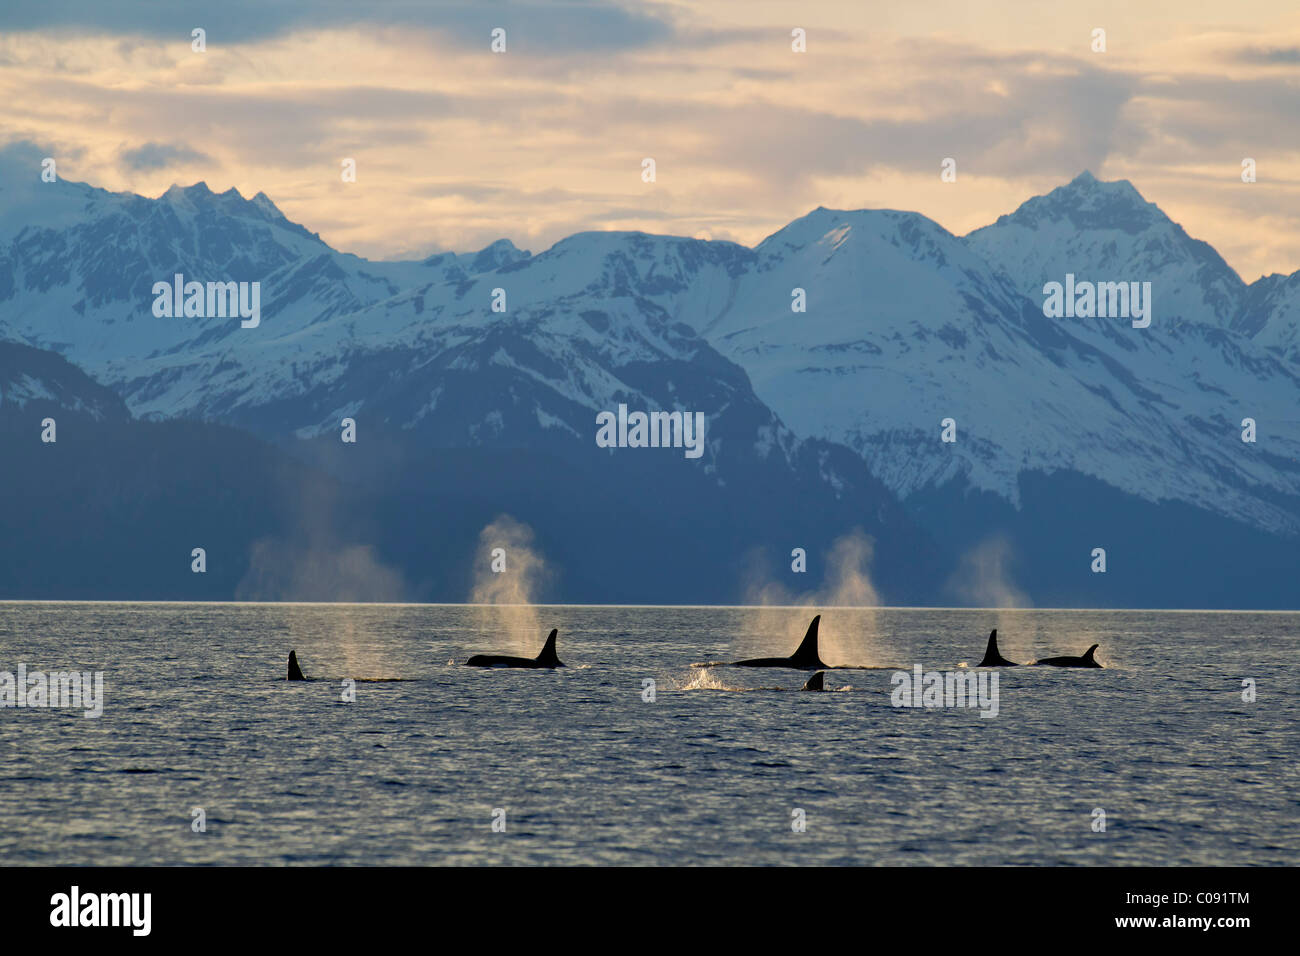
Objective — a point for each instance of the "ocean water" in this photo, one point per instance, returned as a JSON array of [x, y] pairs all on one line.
[[586, 770]]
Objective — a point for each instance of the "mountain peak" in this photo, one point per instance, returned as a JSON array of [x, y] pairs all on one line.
[[177, 193], [231, 202], [1087, 202], [1086, 185], [502, 246], [834, 227], [493, 256], [263, 202], [1110, 231]]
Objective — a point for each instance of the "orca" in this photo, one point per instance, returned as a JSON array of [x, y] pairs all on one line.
[[295, 672], [805, 656], [815, 682], [991, 656], [1087, 660], [546, 658]]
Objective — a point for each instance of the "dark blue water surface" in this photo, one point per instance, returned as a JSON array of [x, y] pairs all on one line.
[[586, 770]]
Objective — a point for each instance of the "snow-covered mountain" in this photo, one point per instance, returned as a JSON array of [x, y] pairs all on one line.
[[817, 419], [78, 265], [416, 354], [904, 327], [907, 325], [1174, 394], [1106, 231]]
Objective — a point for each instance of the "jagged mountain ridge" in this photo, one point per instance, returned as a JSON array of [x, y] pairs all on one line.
[[906, 325], [428, 365]]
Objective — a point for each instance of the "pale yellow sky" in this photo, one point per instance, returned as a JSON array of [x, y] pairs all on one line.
[[456, 146]]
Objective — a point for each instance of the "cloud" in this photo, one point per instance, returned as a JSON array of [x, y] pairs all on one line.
[[1206, 114], [23, 154], [456, 146], [161, 155], [533, 26], [1271, 56]]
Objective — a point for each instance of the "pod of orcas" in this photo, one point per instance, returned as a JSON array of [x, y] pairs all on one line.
[[805, 657]]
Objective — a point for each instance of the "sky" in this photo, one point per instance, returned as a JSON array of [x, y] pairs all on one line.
[[456, 146]]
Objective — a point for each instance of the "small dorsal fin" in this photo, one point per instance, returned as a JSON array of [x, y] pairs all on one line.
[[548, 655], [806, 654], [1088, 654], [816, 682]]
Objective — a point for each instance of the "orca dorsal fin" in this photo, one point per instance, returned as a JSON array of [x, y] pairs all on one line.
[[806, 653], [992, 658], [548, 655], [816, 682], [294, 672], [1087, 656], [991, 655]]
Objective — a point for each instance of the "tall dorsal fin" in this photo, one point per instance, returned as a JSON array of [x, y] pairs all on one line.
[[806, 653], [548, 656], [295, 672], [991, 656]]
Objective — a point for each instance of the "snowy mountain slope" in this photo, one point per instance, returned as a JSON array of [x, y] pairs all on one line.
[[1270, 315], [415, 353], [581, 322], [1196, 372], [343, 336], [906, 326], [873, 353], [1106, 231], [78, 266], [35, 383], [435, 368]]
